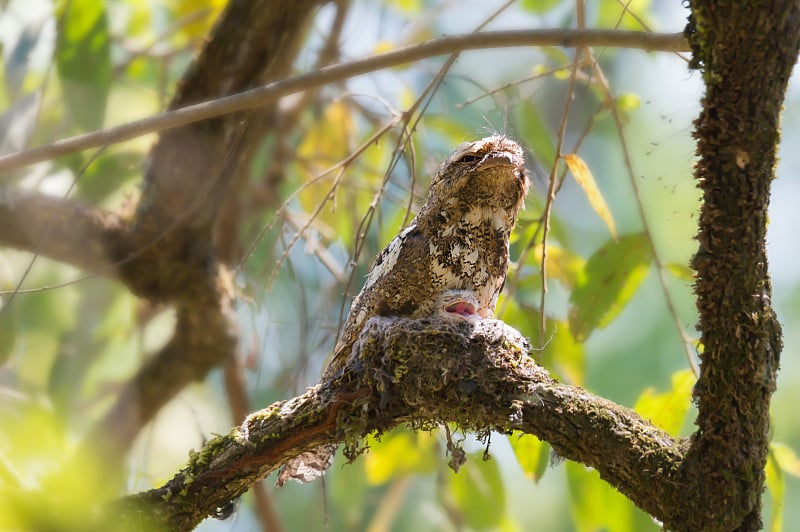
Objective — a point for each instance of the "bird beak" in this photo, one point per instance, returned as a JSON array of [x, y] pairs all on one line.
[[496, 160]]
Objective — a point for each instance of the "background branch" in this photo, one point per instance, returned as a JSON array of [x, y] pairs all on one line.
[[61, 229], [673, 42], [187, 179]]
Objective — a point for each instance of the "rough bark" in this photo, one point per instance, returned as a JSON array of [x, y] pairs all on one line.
[[746, 51], [423, 372], [415, 372]]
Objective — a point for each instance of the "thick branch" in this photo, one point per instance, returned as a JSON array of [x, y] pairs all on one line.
[[253, 41], [272, 91], [186, 180], [747, 51], [424, 373], [63, 230]]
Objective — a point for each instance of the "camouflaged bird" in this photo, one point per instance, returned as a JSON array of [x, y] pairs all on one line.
[[451, 260], [458, 241]]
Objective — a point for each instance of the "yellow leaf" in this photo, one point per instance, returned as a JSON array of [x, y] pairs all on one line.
[[399, 452], [532, 454], [776, 486], [194, 19], [786, 457], [383, 46], [628, 102], [326, 143], [668, 410], [562, 264], [561, 74], [586, 180]]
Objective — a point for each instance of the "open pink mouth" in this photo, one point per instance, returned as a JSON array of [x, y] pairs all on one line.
[[462, 308]]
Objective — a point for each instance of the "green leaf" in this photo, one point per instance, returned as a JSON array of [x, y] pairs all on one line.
[[680, 271], [529, 228], [562, 264], [532, 454], [108, 173], [399, 452], [566, 356], [612, 275], [668, 410], [36, 442], [477, 492], [597, 506], [539, 6], [776, 486], [43, 318], [83, 59], [347, 487], [557, 350], [619, 16]]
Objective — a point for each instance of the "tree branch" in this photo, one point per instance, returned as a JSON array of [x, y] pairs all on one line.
[[747, 51], [673, 42], [186, 180], [251, 43], [424, 372], [61, 229]]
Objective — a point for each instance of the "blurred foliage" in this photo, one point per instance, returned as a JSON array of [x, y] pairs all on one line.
[[77, 65]]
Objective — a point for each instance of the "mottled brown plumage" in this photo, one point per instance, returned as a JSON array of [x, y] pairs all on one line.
[[450, 261], [458, 241]]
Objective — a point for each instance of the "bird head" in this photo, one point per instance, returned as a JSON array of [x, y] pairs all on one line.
[[488, 173]]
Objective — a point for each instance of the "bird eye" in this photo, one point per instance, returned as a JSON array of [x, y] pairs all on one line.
[[469, 158]]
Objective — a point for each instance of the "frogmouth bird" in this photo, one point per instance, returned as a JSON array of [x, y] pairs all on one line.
[[457, 242], [451, 260]]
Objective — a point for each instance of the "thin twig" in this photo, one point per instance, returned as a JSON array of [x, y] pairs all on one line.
[[687, 341], [510, 84], [548, 206], [668, 42]]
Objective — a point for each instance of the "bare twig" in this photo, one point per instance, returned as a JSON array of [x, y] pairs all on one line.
[[687, 342], [668, 42], [551, 194]]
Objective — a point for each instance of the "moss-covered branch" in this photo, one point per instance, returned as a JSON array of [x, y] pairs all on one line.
[[425, 372], [746, 51]]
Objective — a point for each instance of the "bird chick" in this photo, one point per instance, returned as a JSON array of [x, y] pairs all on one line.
[[457, 305]]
